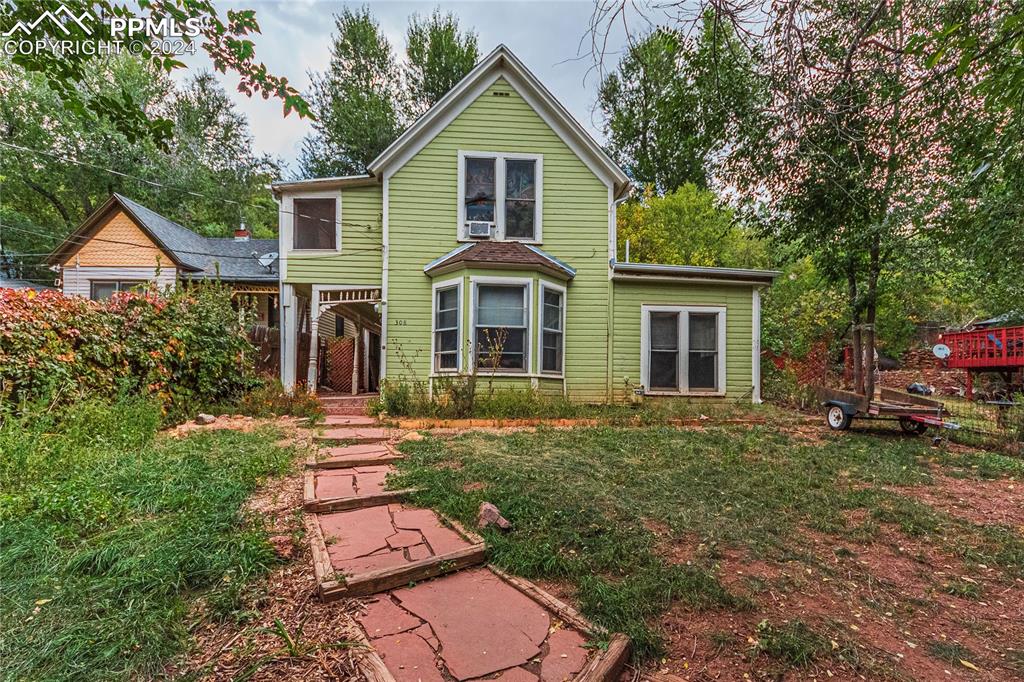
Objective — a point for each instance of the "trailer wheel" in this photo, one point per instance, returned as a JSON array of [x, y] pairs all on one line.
[[912, 426], [837, 418]]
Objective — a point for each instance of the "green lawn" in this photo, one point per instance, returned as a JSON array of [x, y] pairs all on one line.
[[109, 533], [585, 503]]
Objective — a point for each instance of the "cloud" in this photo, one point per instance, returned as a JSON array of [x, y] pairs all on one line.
[[296, 38]]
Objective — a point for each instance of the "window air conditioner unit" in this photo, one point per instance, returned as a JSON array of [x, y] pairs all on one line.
[[479, 229]]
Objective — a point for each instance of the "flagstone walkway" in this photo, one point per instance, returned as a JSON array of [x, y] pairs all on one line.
[[434, 612]]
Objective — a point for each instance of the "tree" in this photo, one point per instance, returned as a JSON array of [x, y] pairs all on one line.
[[361, 103], [686, 227], [673, 104], [223, 38], [355, 101], [439, 57], [62, 167]]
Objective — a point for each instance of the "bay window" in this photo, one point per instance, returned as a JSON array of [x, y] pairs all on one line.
[[683, 349], [446, 351], [503, 190], [501, 327], [552, 332]]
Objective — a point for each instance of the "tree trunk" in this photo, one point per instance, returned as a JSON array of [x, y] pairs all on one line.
[[855, 336], [874, 272]]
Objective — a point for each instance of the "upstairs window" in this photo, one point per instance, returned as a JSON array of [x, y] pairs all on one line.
[[503, 190], [501, 327], [316, 224]]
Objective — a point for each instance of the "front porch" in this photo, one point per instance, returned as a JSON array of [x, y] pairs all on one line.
[[330, 338]]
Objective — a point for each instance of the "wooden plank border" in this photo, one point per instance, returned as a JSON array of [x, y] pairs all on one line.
[[607, 665], [414, 571], [334, 504], [352, 463]]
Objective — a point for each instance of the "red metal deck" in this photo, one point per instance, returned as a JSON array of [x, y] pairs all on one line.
[[994, 349]]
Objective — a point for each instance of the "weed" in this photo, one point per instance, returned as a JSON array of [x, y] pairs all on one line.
[[967, 589], [110, 534], [953, 652], [793, 642]]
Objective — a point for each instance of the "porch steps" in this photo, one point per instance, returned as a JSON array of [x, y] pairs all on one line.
[[357, 434], [360, 454], [335, 404]]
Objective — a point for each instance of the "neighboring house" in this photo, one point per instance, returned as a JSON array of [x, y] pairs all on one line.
[[12, 283], [123, 245], [484, 237]]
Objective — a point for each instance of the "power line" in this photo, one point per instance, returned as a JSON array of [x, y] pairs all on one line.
[[161, 185]]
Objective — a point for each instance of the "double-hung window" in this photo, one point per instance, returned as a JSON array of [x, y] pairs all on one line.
[[501, 327], [683, 349], [316, 224], [502, 190], [447, 309], [552, 332]]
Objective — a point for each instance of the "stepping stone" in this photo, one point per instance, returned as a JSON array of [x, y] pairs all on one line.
[[354, 482], [357, 455], [373, 554], [511, 675], [566, 656], [369, 434], [408, 658], [350, 420], [483, 624], [383, 617]]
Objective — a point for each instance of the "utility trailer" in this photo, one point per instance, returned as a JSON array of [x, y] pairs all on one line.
[[914, 413]]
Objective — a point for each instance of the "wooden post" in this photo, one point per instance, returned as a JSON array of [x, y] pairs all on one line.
[[356, 353], [314, 338], [970, 385]]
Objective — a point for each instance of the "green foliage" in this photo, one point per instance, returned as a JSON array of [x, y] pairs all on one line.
[[800, 309], [792, 642], [209, 177], [438, 58], [687, 226], [224, 39], [354, 100], [465, 397], [111, 536], [674, 103], [364, 99], [269, 399], [187, 349]]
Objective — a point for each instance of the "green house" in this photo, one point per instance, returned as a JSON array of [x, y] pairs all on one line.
[[483, 240]]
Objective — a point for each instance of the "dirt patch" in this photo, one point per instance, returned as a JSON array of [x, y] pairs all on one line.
[[283, 631], [892, 608], [235, 422], [999, 501]]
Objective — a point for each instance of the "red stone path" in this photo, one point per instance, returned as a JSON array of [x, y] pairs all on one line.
[[385, 536], [350, 420], [467, 625], [353, 482], [470, 625], [360, 452]]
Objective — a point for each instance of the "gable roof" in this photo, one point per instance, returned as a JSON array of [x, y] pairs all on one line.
[[200, 257], [501, 254], [501, 63]]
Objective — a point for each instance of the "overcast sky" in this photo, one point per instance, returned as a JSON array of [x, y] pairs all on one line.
[[296, 38]]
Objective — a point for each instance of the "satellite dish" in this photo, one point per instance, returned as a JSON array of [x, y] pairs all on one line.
[[941, 351], [267, 259]]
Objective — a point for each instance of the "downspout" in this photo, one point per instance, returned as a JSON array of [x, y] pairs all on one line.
[[613, 205]]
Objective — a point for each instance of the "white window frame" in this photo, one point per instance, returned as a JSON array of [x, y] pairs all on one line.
[[438, 286], [526, 282], [499, 194], [287, 236], [683, 366], [540, 329]]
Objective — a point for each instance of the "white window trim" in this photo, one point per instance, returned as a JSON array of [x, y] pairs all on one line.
[[499, 194], [684, 348], [446, 284], [287, 235], [540, 330], [475, 282]]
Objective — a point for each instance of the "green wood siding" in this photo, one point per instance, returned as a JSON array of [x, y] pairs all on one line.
[[737, 300], [361, 239], [423, 225]]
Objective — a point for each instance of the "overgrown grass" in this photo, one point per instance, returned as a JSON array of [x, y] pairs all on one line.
[[108, 534], [583, 503]]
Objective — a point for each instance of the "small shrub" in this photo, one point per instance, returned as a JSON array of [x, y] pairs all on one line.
[[782, 387], [269, 399]]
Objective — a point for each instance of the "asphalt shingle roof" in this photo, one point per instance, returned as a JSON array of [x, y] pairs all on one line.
[[501, 253]]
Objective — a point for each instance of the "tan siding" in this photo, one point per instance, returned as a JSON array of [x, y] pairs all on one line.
[[119, 242]]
